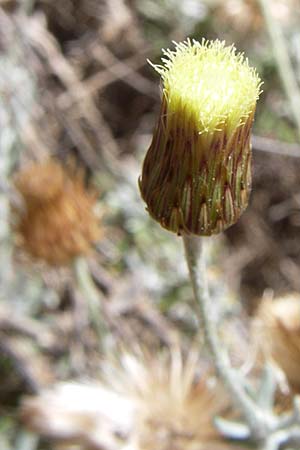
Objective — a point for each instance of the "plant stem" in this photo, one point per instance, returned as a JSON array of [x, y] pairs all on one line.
[[281, 53], [91, 294], [257, 420]]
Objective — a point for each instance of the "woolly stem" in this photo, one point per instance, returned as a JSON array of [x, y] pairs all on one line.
[[258, 421], [91, 294]]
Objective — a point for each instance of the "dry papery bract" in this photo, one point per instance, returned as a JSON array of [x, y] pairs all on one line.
[[57, 222], [277, 330], [159, 402]]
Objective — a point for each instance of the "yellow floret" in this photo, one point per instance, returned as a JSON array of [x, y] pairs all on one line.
[[208, 84]]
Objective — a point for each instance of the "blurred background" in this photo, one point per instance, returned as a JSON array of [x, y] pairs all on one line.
[[75, 85]]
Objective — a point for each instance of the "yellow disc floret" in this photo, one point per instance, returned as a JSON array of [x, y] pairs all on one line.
[[210, 83]]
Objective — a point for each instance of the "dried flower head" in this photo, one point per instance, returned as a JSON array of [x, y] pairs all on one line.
[[144, 403], [196, 176], [277, 328], [176, 403], [58, 222]]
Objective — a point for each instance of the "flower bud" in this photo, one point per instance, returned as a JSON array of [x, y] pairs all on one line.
[[196, 176]]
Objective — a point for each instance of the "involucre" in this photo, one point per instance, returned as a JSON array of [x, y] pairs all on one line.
[[196, 177]]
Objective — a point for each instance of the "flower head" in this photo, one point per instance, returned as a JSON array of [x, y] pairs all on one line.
[[58, 222], [277, 330], [196, 175], [176, 405], [143, 403]]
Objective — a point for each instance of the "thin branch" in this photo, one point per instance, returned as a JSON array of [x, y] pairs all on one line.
[[267, 145], [281, 53], [92, 296], [114, 70]]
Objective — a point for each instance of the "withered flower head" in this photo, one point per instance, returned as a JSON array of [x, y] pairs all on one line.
[[147, 403], [277, 328], [196, 176], [58, 222], [175, 408]]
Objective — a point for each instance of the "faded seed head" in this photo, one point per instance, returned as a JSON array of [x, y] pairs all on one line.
[[175, 400], [197, 172], [143, 402]]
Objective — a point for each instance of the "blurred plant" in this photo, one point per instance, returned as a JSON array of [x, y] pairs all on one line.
[[58, 225], [58, 222], [285, 68], [281, 53], [196, 180], [162, 402], [177, 404], [18, 90], [277, 331]]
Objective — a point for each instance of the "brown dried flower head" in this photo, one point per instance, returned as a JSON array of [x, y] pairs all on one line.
[[58, 222], [277, 327]]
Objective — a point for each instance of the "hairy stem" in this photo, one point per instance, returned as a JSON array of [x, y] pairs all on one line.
[[257, 420], [91, 294]]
